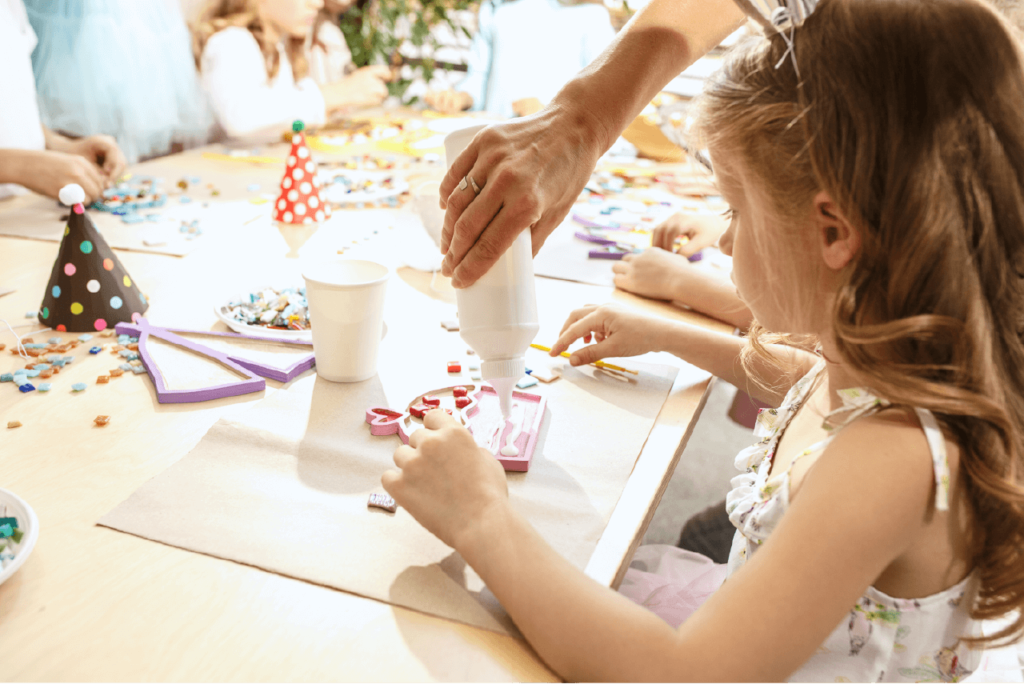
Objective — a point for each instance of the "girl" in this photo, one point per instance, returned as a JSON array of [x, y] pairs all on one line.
[[875, 178], [253, 57]]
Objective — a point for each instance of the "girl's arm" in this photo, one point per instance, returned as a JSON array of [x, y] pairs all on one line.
[[620, 332], [864, 503], [235, 79], [660, 274]]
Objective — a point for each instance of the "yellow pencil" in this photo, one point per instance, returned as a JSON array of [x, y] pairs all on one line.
[[599, 364]]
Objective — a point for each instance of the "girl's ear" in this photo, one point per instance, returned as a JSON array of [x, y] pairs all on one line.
[[840, 242]]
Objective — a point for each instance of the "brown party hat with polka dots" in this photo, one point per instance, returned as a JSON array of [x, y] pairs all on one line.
[[89, 289], [299, 200]]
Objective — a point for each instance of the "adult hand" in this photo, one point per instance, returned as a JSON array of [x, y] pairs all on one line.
[[653, 273], [364, 87], [445, 480], [531, 171], [104, 152], [46, 172], [701, 230], [617, 332], [448, 101]]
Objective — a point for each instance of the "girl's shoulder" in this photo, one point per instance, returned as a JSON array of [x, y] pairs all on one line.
[[233, 40], [899, 449]]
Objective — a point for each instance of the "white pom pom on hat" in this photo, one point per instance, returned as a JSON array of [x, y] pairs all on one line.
[[71, 194]]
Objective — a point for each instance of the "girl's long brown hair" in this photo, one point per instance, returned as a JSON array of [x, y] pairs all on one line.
[[245, 14], [910, 114]]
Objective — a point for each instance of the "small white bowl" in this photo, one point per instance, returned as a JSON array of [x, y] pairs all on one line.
[[27, 523]]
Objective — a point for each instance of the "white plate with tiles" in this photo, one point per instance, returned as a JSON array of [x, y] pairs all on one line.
[[27, 523]]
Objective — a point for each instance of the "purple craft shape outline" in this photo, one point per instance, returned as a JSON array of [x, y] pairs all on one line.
[[385, 421], [143, 330], [289, 373], [271, 372]]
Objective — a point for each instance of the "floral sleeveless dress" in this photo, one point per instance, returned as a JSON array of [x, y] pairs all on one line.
[[883, 639]]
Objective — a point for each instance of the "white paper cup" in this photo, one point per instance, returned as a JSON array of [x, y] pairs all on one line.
[[346, 310]]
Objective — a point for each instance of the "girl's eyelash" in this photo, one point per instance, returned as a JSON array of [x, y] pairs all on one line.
[[729, 214]]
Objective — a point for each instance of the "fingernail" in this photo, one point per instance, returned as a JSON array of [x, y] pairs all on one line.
[[443, 202]]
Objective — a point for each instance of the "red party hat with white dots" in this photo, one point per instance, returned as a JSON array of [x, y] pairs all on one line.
[[299, 201], [89, 289]]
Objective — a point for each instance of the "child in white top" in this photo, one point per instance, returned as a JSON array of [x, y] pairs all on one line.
[[253, 59], [873, 156]]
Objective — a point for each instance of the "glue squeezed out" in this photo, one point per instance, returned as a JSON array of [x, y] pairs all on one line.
[[498, 313]]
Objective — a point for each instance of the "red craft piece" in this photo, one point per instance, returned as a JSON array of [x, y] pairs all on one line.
[[419, 410], [454, 367], [459, 391], [299, 200], [462, 402], [431, 401]]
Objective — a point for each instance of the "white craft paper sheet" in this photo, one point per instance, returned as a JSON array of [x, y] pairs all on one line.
[[284, 485], [38, 218]]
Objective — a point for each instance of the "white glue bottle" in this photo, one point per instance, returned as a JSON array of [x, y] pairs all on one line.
[[498, 313]]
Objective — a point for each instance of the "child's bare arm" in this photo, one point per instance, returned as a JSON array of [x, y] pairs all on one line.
[[861, 507], [620, 332], [659, 274]]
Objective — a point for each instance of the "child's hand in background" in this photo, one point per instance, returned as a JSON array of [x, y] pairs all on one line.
[[527, 106], [703, 230], [448, 101], [445, 480], [616, 331], [653, 273], [104, 152], [364, 87], [46, 172]]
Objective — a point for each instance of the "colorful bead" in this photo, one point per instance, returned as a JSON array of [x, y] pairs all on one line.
[[460, 392], [462, 402], [78, 387], [454, 367], [101, 420], [382, 501], [431, 401]]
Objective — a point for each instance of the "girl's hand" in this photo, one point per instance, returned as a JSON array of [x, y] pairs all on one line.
[[653, 273], [448, 101], [364, 87], [445, 480], [46, 172], [617, 332], [104, 152], [527, 106], [701, 230]]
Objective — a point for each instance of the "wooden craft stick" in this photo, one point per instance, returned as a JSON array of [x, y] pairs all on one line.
[[599, 364]]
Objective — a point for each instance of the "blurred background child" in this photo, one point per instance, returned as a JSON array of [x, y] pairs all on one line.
[[523, 52], [254, 58]]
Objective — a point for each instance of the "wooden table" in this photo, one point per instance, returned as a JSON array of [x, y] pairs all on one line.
[[95, 604]]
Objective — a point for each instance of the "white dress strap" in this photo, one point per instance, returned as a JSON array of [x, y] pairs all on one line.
[[940, 464]]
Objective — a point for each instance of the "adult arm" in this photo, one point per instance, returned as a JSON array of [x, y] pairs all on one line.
[[533, 169]]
